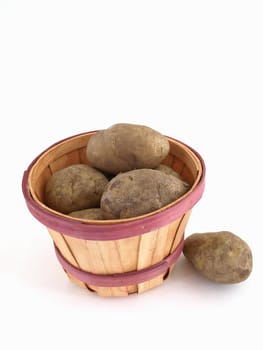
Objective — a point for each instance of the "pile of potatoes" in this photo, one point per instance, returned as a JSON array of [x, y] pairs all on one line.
[[125, 177]]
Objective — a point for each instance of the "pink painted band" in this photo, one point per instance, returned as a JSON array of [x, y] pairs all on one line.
[[112, 230], [121, 279]]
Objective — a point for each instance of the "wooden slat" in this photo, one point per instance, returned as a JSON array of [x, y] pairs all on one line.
[[169, 159], [164, 242], [187, 157], [88, 257], [178, 165], [181, 229], [170, 241], [40, 183], [83, 156], [76, 281], [132, 289], [64, 161], [146, 252], [109, 253], [128, 252], [99, 257], [69, 254], [64, 250], [158, 255], [180, 233], [172, 229], [187, 176]]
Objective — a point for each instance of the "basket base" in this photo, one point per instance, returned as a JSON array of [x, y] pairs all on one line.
[[125, 290], [122, 284]]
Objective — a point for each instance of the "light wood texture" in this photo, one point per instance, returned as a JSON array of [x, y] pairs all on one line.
[[83, 156], [100, 257], [157, 245], [78, 282], [64, 161], [130, 254], [152, 250], [39, 185], [169, 160], [180, 229], [65, 250]]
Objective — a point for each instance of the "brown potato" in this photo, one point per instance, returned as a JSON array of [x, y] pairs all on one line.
[[169, 171], [125, 147], [88, 214], [75, 187], [221, 256], [138, 192]]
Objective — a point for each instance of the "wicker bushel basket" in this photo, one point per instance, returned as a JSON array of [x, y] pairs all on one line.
[[115, 257]]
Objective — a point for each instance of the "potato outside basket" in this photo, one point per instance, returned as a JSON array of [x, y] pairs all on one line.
[[115, 257]]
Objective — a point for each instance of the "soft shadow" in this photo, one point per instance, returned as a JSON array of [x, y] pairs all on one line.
[[185, 277]]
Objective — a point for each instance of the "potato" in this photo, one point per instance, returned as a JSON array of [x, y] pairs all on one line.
[[75, 187], [138, 192], [169, 171], [219, 256], [88, 214], [125, 147]]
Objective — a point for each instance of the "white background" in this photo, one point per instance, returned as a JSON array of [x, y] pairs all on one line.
[[190, 69]]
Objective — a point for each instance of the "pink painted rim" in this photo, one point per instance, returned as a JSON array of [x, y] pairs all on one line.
[[111, 230], [121, 279]]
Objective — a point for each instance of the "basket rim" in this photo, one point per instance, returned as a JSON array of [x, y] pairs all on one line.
[[112, 229]]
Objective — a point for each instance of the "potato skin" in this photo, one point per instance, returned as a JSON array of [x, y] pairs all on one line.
[[138, 192], [75, 187], [124, 147], [88, 214], [169, 171], [221, 256]]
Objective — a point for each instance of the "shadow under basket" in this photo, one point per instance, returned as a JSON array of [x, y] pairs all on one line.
[[115, 257]]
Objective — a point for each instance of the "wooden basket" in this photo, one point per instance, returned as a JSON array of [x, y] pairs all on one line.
[[115, 257]]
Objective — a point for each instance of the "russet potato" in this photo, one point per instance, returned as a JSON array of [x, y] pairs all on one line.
[[75, 187], [139, 192], [123, 147]]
